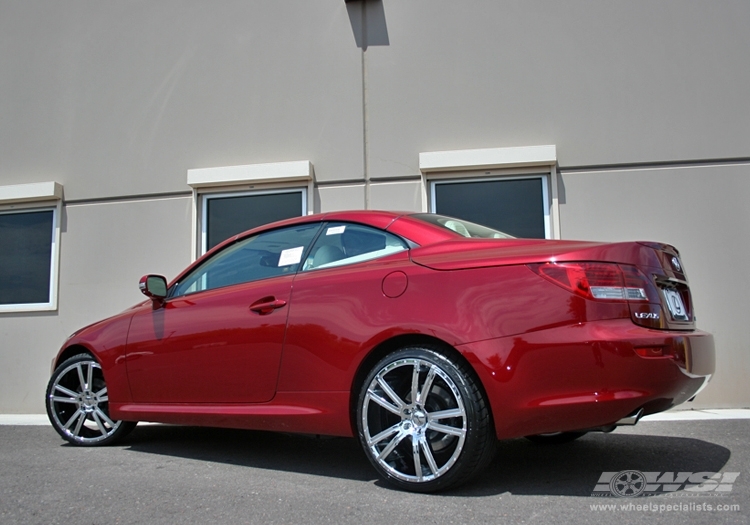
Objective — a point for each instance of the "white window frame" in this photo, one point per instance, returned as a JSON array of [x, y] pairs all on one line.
[[251, 179], [459, 178], [29, 198], [484, 165]]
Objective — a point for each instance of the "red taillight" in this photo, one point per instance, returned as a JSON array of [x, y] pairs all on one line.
[[602, 281], [609, 282]]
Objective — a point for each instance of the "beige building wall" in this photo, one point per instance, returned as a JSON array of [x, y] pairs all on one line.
[[400, 195]]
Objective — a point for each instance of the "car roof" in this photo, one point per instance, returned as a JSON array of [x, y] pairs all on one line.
[[416, 231], [377, 218]]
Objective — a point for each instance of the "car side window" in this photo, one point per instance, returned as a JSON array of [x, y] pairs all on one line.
[[343, 243], [261, 256]]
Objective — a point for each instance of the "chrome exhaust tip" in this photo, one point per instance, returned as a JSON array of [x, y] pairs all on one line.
[[632, 419]]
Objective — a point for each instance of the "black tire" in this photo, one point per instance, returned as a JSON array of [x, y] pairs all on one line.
[[555, 438], [440, 440], [78, 405]]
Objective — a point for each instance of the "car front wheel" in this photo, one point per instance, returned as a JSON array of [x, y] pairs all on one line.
[[423, 420], [78, 404]]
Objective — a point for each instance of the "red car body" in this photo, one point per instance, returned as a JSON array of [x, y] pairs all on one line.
[[549, 359]]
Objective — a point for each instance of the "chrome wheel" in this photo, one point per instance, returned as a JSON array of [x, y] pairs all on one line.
[[416, 416], [78, 403]]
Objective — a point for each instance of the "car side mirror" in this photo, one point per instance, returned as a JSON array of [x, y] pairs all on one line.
[[154, 287]]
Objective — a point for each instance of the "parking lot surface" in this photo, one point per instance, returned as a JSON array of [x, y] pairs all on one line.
[[176, 475]]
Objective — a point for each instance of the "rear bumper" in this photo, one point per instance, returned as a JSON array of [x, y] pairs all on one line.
[[588, 375]]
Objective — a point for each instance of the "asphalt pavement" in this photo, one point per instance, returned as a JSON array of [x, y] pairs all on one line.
[[176, 475]]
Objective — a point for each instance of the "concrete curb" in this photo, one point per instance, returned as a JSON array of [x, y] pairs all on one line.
[[700, 415], [677, 415], [24, 419]]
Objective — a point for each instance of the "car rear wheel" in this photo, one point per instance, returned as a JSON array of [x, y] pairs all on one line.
[[423, 420], [555, 438], [78, 404]]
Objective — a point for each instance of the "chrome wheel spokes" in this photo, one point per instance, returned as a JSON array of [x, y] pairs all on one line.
[[414, 420], [78, 403]]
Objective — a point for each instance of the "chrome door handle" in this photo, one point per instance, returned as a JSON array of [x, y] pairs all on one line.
[[267, 305]]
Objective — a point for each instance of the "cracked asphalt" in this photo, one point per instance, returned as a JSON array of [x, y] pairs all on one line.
[[175, 475]]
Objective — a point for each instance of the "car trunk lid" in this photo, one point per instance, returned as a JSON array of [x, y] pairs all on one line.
[[669, 307], [462, 254]]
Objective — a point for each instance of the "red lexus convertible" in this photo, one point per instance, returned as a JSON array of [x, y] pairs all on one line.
[[426, 337]]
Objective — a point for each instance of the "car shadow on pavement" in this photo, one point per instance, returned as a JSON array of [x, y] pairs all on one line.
[[573, 469], [307, 454], [520, 467]]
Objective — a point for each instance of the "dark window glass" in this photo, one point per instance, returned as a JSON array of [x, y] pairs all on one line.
[[261, 256], [228, 216], [512, 206], [25, 257]]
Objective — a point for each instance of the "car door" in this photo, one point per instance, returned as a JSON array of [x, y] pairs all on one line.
[[218, 337]]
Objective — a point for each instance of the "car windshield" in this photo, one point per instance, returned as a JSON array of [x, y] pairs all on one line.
[[462, 227]]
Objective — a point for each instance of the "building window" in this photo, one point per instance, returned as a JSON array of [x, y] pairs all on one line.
[[518, 206], [29, 237], [513, 190], [227, 214], [233, 199]]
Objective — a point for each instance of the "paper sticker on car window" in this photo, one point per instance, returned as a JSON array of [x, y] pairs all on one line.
[[291, 256], [336, 230]]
